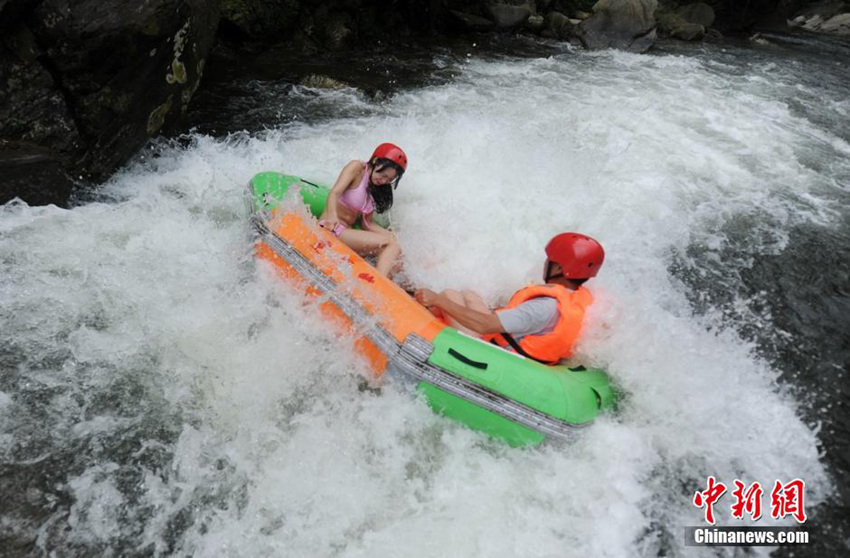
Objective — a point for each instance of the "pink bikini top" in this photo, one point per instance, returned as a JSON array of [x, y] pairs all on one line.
[[358, 198]]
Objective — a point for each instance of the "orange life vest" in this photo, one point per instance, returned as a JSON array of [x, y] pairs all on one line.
[[557, 344]]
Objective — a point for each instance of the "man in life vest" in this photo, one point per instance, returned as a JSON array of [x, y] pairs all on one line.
[[541, 322]]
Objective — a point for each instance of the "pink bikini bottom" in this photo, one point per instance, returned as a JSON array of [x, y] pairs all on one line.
[[340, 226]]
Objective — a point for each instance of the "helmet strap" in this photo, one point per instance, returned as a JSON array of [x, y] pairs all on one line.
[[548, 275]]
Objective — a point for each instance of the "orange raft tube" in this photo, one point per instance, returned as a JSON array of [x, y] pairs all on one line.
[[392, 309]]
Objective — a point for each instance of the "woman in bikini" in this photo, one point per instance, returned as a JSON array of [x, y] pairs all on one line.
[[361, 189]]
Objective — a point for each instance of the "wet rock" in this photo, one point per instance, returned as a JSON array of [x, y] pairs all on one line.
[[32, 105], [336, 30], [687, 23], [92, 81], [832, 17], [558, 26], [620, 24], [761, 40], [260, 20], [118, 63], [688, 31], [322, 82], [837, 25], [34, 174], [571, 8], [471, 22], [535, 23], [505, 16], [698, 13]]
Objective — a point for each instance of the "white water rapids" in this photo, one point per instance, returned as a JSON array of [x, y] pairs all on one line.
[[189, 403]]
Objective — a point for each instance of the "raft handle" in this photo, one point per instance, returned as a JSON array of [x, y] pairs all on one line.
[[467, 360]]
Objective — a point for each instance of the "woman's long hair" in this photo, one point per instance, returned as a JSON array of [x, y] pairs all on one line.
[[383, 195]]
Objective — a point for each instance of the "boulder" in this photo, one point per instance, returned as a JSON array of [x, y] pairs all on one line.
[[506, 16], [558, 26], [335, 30], [318, 81], [572, 8], [33, 108], [620, 24], [761, 40], [34, 174], [535, 23], [11, 11], [674, 22], [837, 25], [260, 20], [699, 13], [38, 132], [688, 31], [471, 22], [831, 17], [93, 80]]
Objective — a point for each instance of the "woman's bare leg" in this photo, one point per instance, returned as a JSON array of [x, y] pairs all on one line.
[[387, 260], [368, 243]]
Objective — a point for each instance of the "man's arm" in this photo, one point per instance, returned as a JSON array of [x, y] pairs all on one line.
[[479, 322]]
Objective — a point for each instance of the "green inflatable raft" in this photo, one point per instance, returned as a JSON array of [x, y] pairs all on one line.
[[509, 397]]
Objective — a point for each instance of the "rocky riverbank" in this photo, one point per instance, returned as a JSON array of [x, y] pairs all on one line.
[[86, 84]]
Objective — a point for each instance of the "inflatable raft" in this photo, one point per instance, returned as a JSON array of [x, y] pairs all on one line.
[[479, 384]]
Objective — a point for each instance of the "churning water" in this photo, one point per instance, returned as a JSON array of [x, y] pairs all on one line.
[[163, 393]]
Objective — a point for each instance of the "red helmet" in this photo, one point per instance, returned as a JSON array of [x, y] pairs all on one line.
[[579, 256], [393, 153]]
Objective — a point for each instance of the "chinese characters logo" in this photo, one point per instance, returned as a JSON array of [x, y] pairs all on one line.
[[785, 499]]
